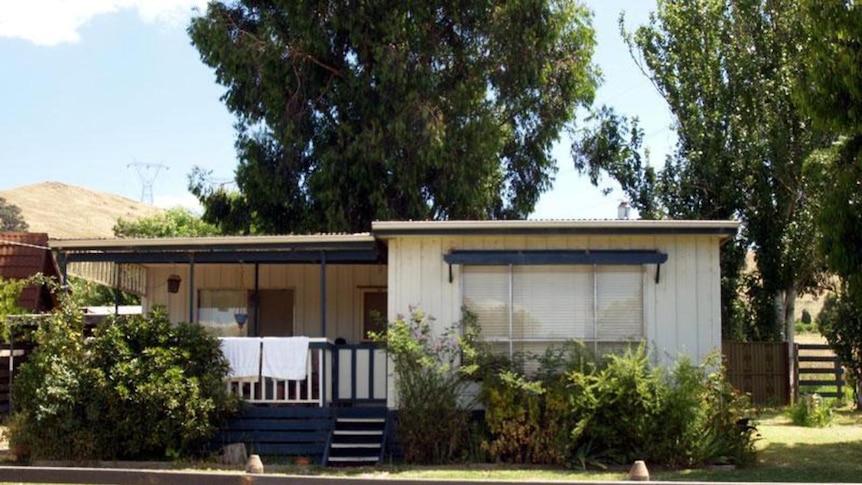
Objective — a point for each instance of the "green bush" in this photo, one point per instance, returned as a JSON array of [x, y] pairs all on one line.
[[432, 419], [593, 413], [528, 419], [840, 322], [140, 387], [811, 411], [806, 317]]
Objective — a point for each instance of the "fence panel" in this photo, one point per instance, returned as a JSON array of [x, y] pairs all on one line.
[[761, 369], [9, 370], [818, 370]]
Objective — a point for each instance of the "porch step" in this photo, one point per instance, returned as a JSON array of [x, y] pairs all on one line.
[[353, 459], [355, 445], [357, 438]]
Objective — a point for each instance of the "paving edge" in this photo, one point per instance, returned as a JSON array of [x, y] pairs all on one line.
[[105, 476]]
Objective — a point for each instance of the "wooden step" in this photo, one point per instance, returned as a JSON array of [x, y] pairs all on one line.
[[349, 459], [358, 432]]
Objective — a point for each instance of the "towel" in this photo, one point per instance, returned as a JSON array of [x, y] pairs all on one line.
[[243, 354], [285, 357]]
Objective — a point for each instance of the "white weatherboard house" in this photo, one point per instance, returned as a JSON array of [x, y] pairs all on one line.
[[531, 284]]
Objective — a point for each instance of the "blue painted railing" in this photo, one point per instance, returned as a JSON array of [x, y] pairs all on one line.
[[360, 372]]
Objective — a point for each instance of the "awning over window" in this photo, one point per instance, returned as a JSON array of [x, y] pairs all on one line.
[[552, 257]]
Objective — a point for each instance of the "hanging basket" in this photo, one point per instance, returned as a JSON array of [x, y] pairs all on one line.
[[174, 283]]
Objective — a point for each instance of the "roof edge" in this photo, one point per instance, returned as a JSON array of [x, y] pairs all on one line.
[[391, 229], [206, 242]]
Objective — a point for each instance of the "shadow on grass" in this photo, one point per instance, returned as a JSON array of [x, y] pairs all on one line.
[[779, 462]]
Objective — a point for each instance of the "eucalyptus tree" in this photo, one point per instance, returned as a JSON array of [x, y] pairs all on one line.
[[350, 111]]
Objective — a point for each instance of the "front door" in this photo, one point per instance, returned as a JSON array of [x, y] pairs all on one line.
[[276, 313], [373, 312]]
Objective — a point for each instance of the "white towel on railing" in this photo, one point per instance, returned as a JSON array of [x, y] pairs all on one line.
[[243, 354], [285, 357]]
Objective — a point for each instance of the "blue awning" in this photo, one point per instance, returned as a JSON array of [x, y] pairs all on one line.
[[556, 257]]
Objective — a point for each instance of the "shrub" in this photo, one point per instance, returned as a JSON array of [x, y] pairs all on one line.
[[811, 411], [840, 322], [432, 420], [806, 317], [527, 418], [614, 411], [139, 388]]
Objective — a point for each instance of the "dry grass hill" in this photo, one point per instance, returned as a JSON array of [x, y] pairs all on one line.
[[67, 211], [805, 302]]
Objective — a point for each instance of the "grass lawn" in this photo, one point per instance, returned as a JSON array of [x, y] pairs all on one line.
[[787, 453], [790, 453]]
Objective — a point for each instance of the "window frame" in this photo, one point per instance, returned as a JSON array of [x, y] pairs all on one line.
[[218, 327], [591, 330]]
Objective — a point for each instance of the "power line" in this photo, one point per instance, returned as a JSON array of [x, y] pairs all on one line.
[[147, 173]]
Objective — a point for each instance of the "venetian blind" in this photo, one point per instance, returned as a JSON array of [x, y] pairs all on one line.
[[619, 303], [486, 294], [551, 302]]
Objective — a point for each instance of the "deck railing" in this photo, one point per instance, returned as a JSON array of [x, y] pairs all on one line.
[[360, 373], [347, 373], [315, 389]]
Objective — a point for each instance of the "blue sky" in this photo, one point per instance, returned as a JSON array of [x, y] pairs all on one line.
[[90, 88]]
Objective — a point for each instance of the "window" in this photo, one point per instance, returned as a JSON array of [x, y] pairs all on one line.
[[525, 308], [216, 310]]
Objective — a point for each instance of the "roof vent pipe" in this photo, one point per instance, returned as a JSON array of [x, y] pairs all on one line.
[[623, 210]]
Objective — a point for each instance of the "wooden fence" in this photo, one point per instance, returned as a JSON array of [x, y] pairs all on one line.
[[10, 362], [817, 369], [761, 369]]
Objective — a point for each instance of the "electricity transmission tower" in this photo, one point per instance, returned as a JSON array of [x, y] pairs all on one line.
[[147, 173]]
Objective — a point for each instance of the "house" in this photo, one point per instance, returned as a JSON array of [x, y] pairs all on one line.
[[531, 284], [24, 254]]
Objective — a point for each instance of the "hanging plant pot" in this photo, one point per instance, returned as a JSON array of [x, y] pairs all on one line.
[[174, 283]]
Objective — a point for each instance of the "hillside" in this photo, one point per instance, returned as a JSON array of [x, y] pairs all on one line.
[[804, 302], [67, 211]]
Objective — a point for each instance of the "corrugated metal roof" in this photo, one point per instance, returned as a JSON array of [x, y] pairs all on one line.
[[333, 248], [208, 242]]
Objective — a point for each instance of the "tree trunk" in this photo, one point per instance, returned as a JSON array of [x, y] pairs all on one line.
[[789, 312], [789, 334]]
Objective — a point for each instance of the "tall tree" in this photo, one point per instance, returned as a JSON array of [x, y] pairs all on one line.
[[831, 91], [353, 111], [727, 70], [11, 219]]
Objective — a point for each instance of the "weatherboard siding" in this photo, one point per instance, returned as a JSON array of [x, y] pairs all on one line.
[[681, 311], [344, 284]]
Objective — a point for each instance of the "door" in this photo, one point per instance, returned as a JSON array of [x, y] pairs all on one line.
[[276, 313], [373, 311]]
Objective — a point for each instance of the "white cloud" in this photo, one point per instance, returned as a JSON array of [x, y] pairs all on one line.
[[53, 22]]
